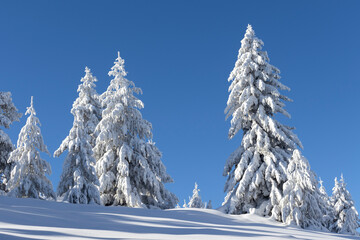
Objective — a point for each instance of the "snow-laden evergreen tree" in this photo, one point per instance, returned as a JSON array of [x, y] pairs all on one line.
[[328, 211], [78, 181], [8, 114], [301, 203], [185, 204], [256, 171], [346, 219], [28, 176], [128, 163], [209, 205], [195, 200], [323, 190]]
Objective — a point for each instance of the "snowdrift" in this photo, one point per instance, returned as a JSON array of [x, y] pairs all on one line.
[[37, 219]]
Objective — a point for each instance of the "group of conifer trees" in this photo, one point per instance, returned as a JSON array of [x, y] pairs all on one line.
[[111, 159], [267, 174]]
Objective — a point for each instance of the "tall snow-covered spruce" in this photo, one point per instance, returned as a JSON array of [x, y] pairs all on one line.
[[346, 217], [28, 177], [128, 163], [256, 171], [78, 181], [8, 114]]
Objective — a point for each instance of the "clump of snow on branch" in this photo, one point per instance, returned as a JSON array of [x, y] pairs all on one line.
[[8, 114], [256, 170], [78, 181], [28, 177], [128, 163]]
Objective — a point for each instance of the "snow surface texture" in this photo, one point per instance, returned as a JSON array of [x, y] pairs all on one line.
[[28, 177], [128, 163], [8, 114], [78, 181], [256, 171], [37, 219]]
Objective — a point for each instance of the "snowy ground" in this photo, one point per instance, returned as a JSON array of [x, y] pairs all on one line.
[[36, 219]]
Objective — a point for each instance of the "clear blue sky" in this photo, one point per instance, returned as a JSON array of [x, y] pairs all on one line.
[[180, 53]]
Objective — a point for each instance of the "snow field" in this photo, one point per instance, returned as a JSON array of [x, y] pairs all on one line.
[[38, 219]]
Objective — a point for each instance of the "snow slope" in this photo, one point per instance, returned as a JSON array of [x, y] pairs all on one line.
[[37, 219]]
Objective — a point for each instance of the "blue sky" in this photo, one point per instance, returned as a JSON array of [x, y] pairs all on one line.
[[180, 54]]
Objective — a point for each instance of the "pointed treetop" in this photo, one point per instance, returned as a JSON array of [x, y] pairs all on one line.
[[87, 70], [250, 31], [31, 110], [118, 69], [196, 186], [336, 182], [322, 188], [88, 78], [119, 59], [342, 181]]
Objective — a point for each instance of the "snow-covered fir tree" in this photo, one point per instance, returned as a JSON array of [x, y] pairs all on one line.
[[209, 205], [328, 211], [28, 177], [195, 200], [8, 114], [78, 181], [346, 217], [301, 203], [256, 171], [128, 163], [323, 190]]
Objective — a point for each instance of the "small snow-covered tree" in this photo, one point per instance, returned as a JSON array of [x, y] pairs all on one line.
[[323, 190], [301, 203], [128, 163], [256, 171], [209, 205], [195, 200], [328, 211], [8, 114], [28, 177], [185, 204], [346, 219], [78, 181]]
